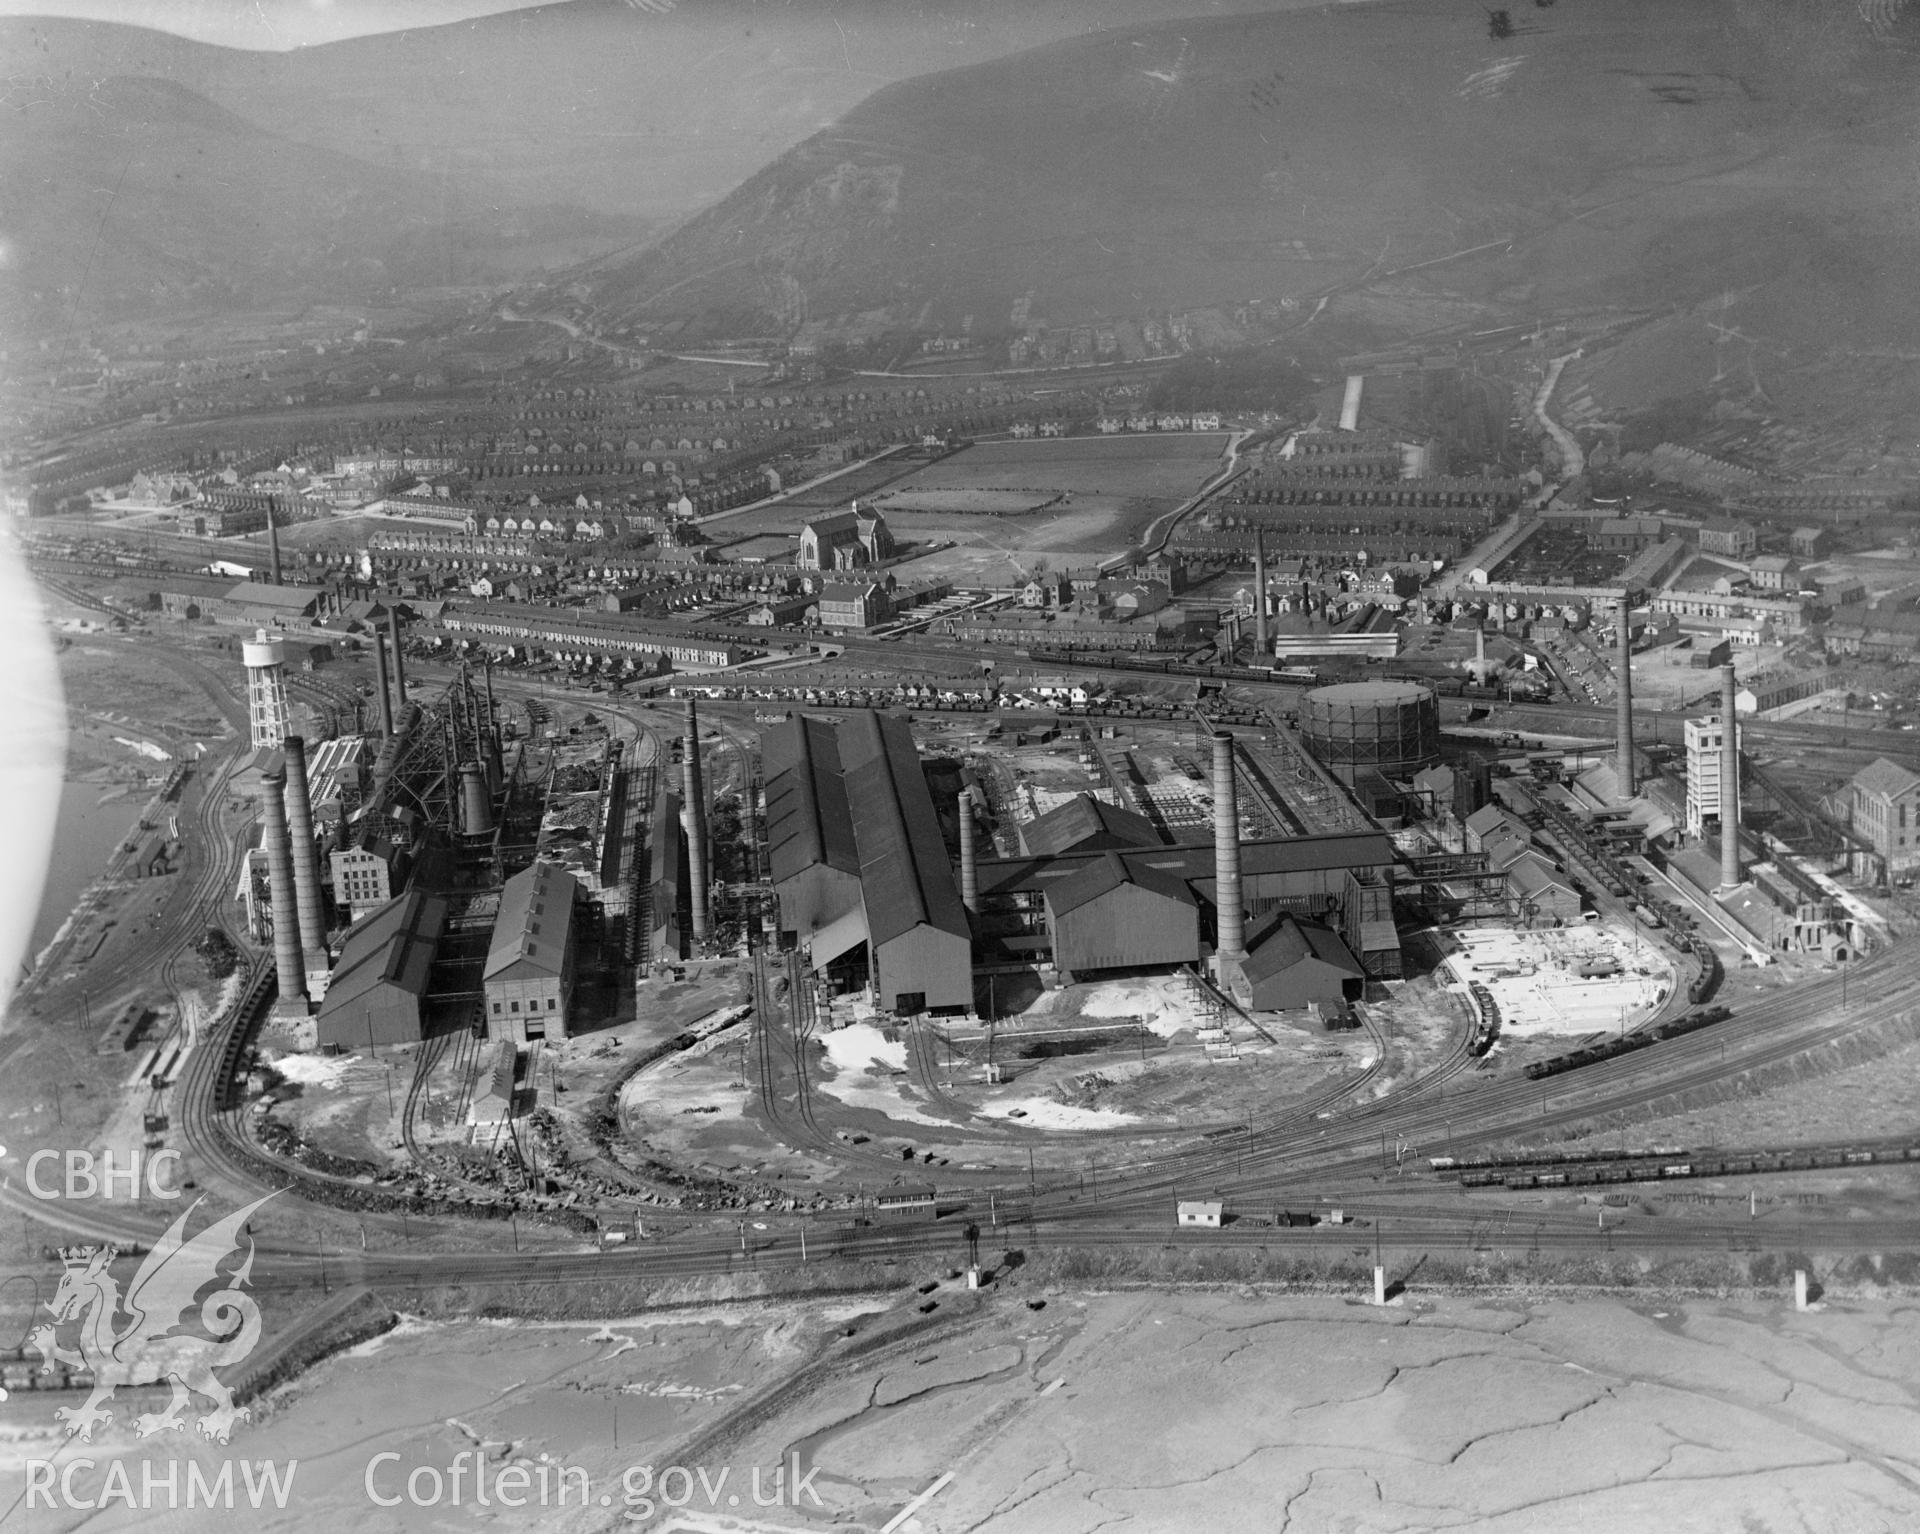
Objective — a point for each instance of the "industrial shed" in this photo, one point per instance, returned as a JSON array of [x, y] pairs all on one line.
[[814, 859], [1542, 896], [863, 875], [1112, 915], [1086, 824], [1291, 963], [1309, 876], [919, 943], [528, 980], [666, 859], [380, 982]]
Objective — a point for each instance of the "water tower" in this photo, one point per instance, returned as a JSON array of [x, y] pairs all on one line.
[[265, 657]]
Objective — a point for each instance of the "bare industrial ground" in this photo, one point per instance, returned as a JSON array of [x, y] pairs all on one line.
[[1221, 1407]]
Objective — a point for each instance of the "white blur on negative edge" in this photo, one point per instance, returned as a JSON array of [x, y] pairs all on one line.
[[33, 755]]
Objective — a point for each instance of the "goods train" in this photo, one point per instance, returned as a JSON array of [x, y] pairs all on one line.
[[1486, 1019], [1705, 1017], [1651, 1167]]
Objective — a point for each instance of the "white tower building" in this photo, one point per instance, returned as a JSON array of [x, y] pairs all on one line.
[[265, 656], [1703, 773]]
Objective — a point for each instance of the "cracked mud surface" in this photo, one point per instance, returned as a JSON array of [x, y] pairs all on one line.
[[1209, 1411]]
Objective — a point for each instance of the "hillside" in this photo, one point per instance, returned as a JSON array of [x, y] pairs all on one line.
[[654, 111], [1633, 153], [136, 196]]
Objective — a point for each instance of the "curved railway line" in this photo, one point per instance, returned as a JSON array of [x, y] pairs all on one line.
[[1328, 1143]]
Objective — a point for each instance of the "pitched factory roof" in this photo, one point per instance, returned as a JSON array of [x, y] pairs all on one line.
[[906, 875], [808, 818], [284, 599], [1110, 872], [1287, 941], [535, 923], [392, 946], [1194, 861], [1887, 778], [1084, 819]]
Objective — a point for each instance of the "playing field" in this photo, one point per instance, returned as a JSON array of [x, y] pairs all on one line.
[[1074, 500]]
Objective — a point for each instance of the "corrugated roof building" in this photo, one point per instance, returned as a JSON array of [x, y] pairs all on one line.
[[1290, 963], [1113, 915], [379, 984], [1086, 824], [528, 979], [919, 941], [858, 859], [810, 846]]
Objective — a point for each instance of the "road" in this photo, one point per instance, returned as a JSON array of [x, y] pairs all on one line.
[[1573, 462], [1158, 531]]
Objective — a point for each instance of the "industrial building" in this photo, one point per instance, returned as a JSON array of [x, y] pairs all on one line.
[[1291, 964], [366, 874], [1086, 824], [1883, 804], [865, 882], [863, 877], [666, 860], [1704, 740], [1312, 877], [1113, 915], [379, 987], [507, 626], [528, 979]]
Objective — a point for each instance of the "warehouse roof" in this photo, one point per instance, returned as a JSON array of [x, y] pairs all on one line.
[[1887, 778], [1110, 872], [279, 599], [1286, 941], [1194, 861], [393, 946], [1085, 822], [535, 923], [808, 818], [906, 874]]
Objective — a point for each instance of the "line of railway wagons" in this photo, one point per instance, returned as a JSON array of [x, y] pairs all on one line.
[[1593, 1054], [1660, 1169], [1486, 1019]]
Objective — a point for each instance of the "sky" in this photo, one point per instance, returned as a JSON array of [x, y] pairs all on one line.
[[275, 24]]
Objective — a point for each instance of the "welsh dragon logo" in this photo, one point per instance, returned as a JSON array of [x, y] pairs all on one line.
[[150, 1348]]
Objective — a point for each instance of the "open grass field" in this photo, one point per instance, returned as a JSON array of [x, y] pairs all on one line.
[[1073, 500], [988, 512]]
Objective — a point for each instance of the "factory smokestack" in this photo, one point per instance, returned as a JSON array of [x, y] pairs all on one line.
[[1260, 594], [288, 968], [476, 805], [273, 542], [969, 860], [399, 661], [380, 677], [306, 859], [1226, 851], [1623, 767], [1729, 783], [694, 815]]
